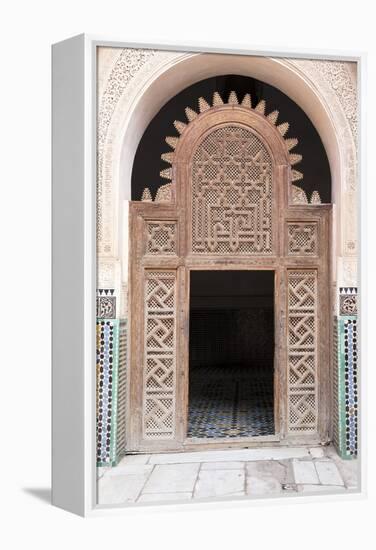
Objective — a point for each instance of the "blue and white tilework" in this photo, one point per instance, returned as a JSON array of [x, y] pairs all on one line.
[[345, 387], [107, 366], [351, 385]]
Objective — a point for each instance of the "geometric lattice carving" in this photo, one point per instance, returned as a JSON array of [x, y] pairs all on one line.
[[161, 237], [232, 194], [298, 196], [234, 210], [337, 389], [301, 350], [160, 360], [302, 239]]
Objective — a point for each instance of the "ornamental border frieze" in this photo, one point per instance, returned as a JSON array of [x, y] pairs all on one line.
[[337, 85], [337, 76], [126, 66]]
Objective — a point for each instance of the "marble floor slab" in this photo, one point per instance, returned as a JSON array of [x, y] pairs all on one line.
[[328, 473], [229, 474], [172, 479], [220, 483], [305, 472]]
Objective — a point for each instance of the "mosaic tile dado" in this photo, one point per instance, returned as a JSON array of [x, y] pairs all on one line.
[[107, 364], [351, 385], [111, 381], [345, 414]]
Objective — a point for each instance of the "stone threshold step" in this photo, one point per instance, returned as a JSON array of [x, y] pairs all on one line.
[[231, 455]]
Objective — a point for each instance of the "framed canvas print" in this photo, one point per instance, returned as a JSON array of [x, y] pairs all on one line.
[[206, 265]]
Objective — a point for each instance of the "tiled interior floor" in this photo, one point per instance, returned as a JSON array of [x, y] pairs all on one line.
[[230, 401], [230, 474]]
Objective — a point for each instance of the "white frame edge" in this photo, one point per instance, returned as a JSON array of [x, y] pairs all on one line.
[[74, 266], [73, 277]]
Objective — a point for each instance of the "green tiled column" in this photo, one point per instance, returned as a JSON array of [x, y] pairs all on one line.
[[345, 399]]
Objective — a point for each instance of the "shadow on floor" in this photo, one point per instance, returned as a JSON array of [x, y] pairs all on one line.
[[41, 493]]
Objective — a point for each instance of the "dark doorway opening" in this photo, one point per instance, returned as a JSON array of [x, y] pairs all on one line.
[[231, 354]]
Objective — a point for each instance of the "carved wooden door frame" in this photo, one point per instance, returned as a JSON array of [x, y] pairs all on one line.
[[161, 259]]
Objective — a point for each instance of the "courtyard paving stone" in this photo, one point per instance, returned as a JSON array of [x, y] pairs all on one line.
[[134, 459], [316, 452], [215, 483], [174, 477], [347, 468], [116, 489], [268, 477], [328, 473], [130, 469], [305, 472]]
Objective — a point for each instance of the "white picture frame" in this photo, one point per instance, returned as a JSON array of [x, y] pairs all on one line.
[[74, 259]]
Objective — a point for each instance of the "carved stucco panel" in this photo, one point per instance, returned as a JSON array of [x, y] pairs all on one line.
[[337, 85], [124, 300], [350, 224], [108, 273], [349, 271], [122, 74], [106, 59], [342, 79], [126, 65], [336, 82], [109, 276], [131, 70]]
